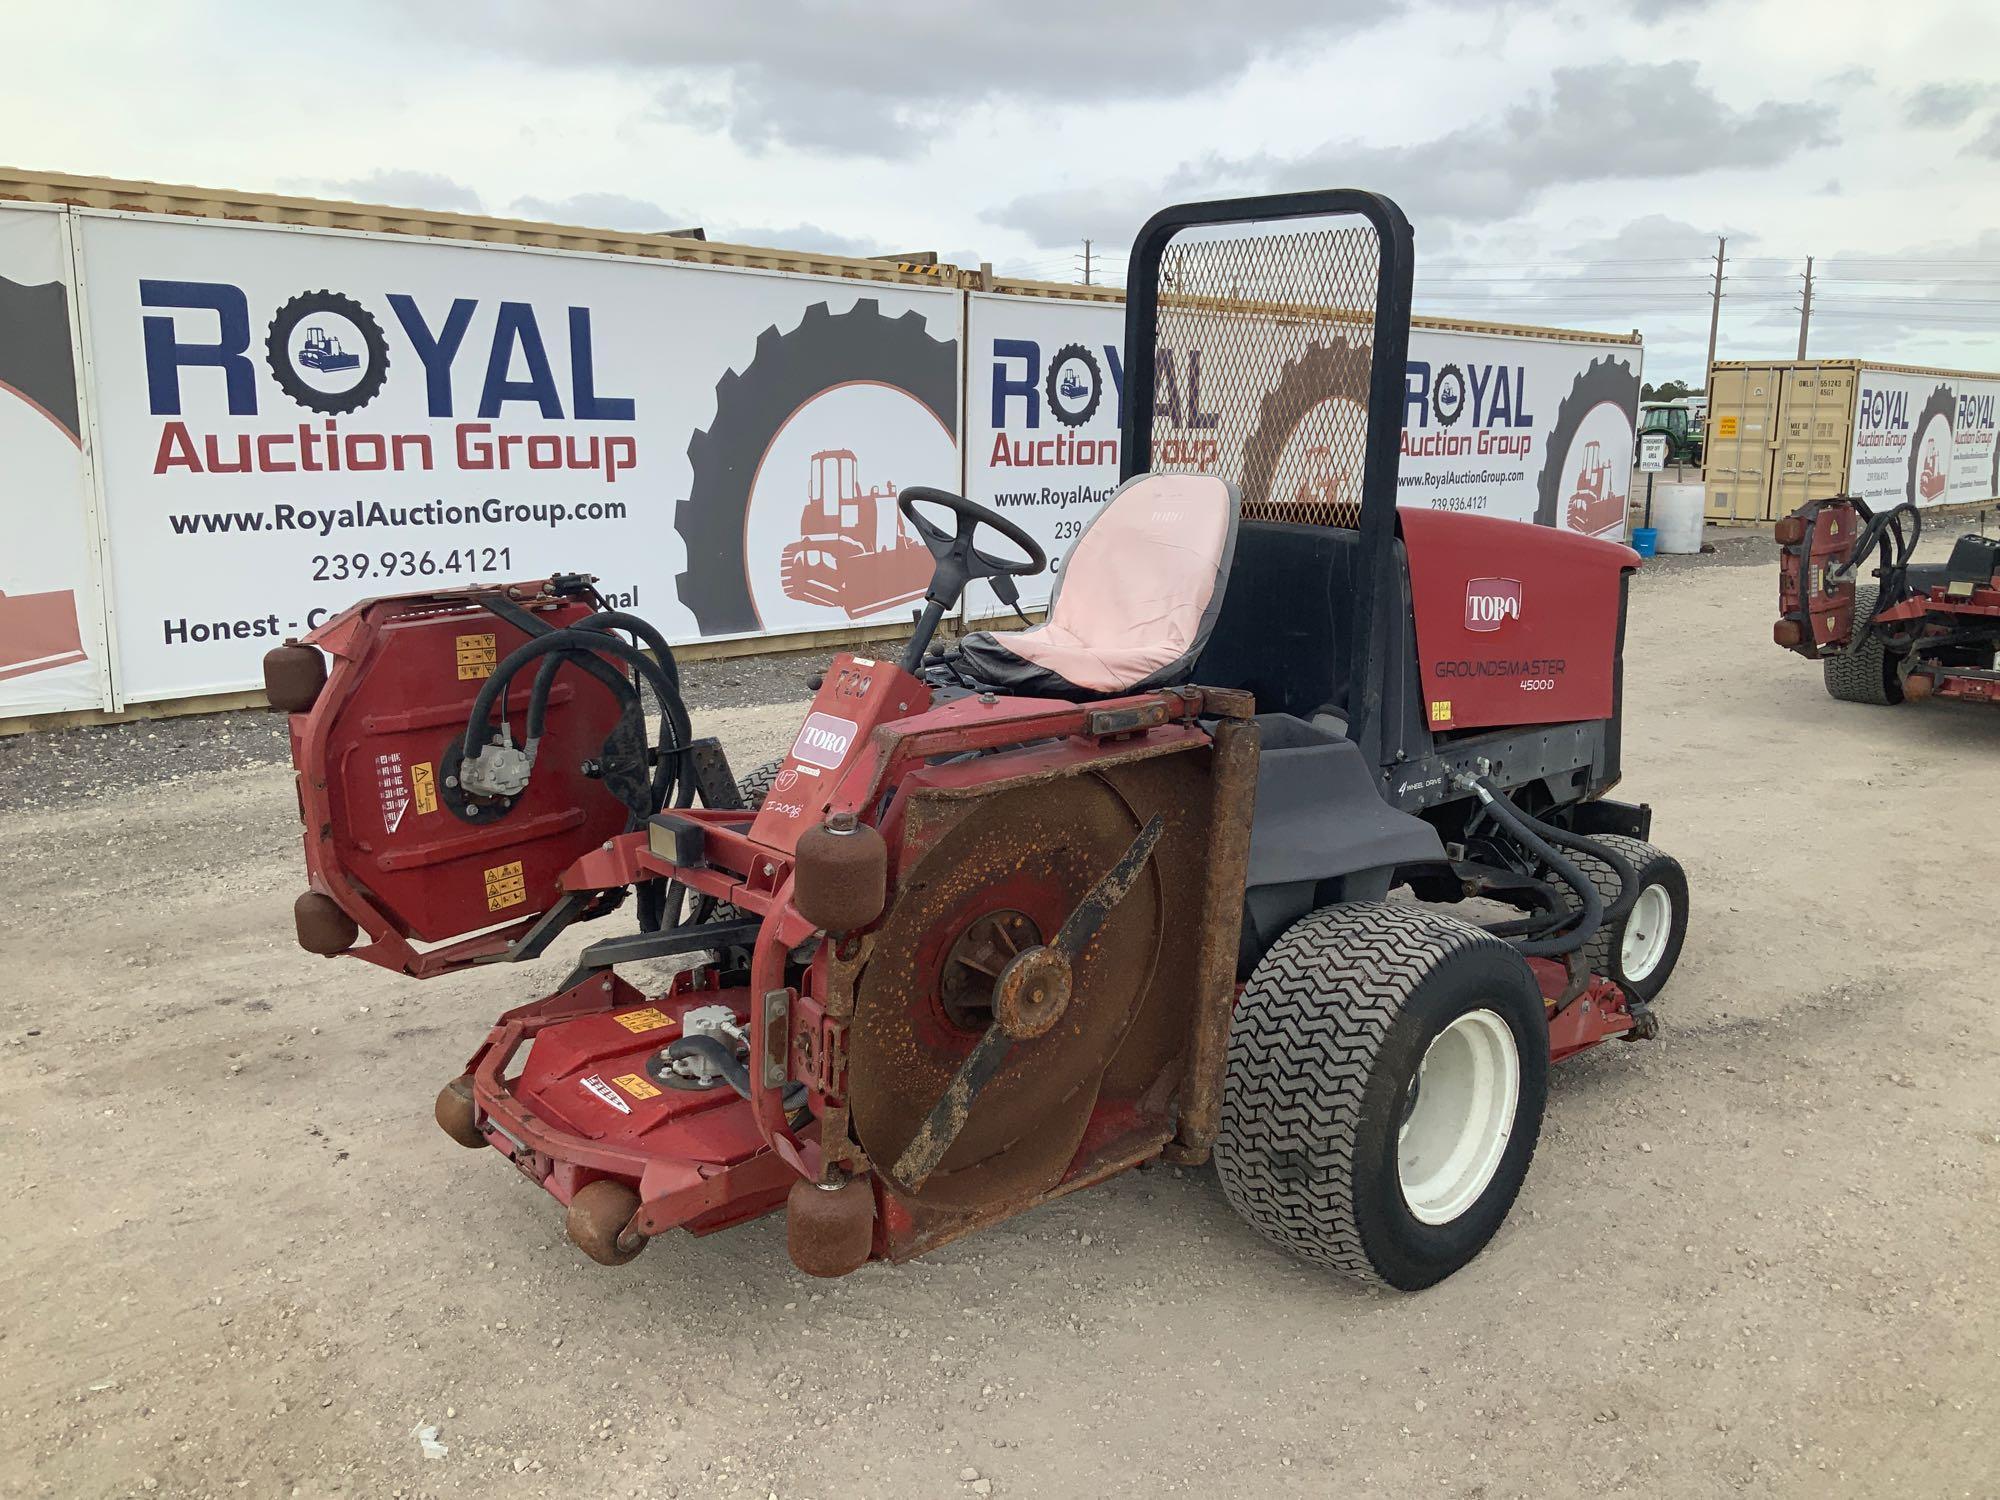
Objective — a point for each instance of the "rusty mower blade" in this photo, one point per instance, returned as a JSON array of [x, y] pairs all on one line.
[[1028, 998]]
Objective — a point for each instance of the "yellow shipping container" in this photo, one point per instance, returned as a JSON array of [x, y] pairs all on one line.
[[1782, 432]]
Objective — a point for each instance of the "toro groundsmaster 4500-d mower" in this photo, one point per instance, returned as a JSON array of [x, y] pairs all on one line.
[[1920, 630], [1161, 877]]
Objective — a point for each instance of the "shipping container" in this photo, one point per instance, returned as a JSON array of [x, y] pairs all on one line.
[[1783, 432]]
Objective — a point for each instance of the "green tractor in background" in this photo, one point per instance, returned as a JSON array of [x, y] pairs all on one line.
[[1681, 422]]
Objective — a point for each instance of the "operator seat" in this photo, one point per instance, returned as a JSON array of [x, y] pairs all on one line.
[[1134, 603]]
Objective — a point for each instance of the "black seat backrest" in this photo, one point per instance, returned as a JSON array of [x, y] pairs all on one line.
[[1974, 559], [1281, 633]]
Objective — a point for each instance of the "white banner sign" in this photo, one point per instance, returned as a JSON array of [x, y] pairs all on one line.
[[1529, 429], [50, 655], [295, 419], [1926, 438]]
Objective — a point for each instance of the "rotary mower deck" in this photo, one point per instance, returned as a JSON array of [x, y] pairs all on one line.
[[1171, 876]]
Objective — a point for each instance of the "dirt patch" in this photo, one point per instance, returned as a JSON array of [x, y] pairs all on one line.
[[1753, 1257]]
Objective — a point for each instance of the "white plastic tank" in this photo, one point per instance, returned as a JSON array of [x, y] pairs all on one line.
[[1677, 512]]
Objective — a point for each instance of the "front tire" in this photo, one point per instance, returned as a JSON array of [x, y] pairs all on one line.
[[1640, 949], [1388, 1069]]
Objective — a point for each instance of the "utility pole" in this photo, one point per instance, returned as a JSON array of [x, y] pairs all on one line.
[[1714, 313], [1086, 262], [1805, 309]]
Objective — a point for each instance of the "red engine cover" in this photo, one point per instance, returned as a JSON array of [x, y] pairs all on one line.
[[1516, 624], [381, 838]]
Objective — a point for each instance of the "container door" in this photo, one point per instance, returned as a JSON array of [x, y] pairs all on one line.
[[1743, 415], [1813, 433]]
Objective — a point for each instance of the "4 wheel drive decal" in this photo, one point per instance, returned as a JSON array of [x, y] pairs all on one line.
[[825, 350]]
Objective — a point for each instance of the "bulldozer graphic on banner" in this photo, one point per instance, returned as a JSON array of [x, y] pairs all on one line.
[[322, 352], [1594, 507], [1930, 483], [853, 553]]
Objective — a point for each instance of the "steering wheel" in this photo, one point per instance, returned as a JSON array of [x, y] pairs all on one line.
[[958, 561]]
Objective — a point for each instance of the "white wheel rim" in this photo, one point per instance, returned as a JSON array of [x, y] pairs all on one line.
[[1456, 1129], [1646, 927]]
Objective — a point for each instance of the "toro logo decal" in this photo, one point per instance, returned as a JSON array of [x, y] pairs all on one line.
[[823, 740], [1491, 602]]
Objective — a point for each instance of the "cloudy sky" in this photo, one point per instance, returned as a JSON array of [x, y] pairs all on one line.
[[1566, 164]]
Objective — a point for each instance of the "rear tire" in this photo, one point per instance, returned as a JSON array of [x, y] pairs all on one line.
[[1640, 949], [1863, 673], [752, 787], [1328, 1147], [755, 785]]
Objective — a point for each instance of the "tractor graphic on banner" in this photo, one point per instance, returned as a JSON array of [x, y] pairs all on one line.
[[853, 553], [1594, 506], [1930, 483]]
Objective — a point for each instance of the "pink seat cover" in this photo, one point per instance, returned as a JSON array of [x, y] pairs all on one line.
[[1134, 588]]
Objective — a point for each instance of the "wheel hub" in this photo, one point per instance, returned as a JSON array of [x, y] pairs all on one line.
[[1458, 1116], [1647, 927]]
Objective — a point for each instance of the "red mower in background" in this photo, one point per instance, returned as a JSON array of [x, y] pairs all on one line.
[[1918, 630], [853, 553], [1014, 915]]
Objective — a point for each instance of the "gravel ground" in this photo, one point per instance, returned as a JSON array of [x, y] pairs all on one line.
[[1754, 1257]]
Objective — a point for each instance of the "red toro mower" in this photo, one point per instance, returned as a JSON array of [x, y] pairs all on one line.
[[1175, 874], [1920, 630]]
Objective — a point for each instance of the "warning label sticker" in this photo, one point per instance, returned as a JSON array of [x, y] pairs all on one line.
[[476, 657], [648, 1019], [392, 789], [605, 1092], [506, 886], [1440, 710], [424, 786], [636, 1086]]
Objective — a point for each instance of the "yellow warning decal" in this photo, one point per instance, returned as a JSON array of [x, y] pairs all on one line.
[[424, 786], [1440, 710], [477, 657], [642, 1020], [505, 886], [636, 1086], [1725, 427]]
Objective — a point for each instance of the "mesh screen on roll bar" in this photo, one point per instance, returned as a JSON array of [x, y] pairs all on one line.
[[1262, 360]]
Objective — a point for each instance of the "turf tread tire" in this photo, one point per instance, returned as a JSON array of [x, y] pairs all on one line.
[[1861, 673], [1304, 1044], [1598, 953]]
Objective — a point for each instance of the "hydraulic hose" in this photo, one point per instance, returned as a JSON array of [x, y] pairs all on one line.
[[1591, 915], [586, 643], [722, 1057], [569, 640], [673, 709]]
